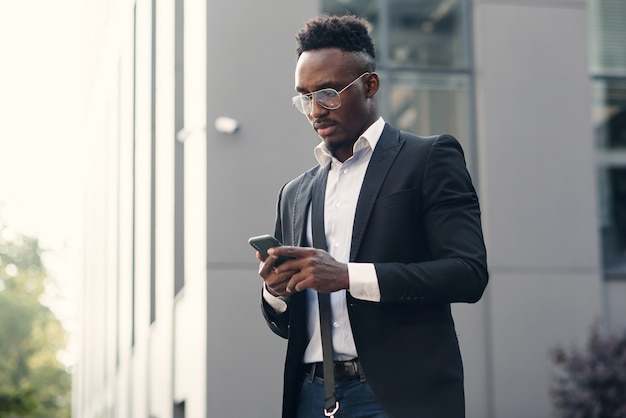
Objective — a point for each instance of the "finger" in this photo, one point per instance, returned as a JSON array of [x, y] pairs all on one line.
[[297, 283], [286, 250], [286, 264], [267, 267], [278, 283], [301, 285]]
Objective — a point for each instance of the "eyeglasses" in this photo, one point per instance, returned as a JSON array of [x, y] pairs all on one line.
[[327, 98]]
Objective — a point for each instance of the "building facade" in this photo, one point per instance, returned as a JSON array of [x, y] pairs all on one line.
[[193, 134]]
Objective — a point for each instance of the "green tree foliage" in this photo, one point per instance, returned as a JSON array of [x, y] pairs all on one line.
[[19, 402], [33, 382]]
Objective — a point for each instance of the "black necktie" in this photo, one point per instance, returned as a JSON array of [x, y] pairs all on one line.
[[318, 197]]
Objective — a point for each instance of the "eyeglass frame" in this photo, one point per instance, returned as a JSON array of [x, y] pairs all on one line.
[[311, 96]]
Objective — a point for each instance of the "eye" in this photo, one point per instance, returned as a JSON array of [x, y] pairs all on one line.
[[326, 94]]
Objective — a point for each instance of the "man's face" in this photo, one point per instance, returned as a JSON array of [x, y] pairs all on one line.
[[333, 68]]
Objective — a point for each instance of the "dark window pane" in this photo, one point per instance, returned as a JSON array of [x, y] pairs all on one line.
[[609, 113], [427, 33], [614, 225], [609, 120], [414, 33], [367, 9]]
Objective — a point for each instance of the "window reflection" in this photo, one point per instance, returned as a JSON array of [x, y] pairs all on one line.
[[415, 33], [426, 33], [367, 9], [423, 62], [433, 103], [609, 113], [609, 117]]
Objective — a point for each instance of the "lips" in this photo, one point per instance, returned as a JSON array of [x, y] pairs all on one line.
[[324, 128]]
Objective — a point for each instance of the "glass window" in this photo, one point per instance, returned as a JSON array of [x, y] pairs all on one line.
[[427, 104], [609, 120], [413, 33], [422, 49], [607, 33], [179, 410], [368, 9], [426, 33], [609, 114], [608, 66]]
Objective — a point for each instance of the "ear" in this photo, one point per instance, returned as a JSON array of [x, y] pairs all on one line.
[[372, 83]]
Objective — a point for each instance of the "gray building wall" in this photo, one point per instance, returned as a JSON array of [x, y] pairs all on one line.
[[208, 346], [538, 192], [251, 79]]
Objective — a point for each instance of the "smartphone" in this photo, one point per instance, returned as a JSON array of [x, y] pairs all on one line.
[[262, 243]]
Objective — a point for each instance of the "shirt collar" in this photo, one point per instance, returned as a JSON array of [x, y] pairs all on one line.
[[369, 138]]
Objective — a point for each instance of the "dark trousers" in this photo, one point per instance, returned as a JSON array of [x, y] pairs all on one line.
[[355, 398]]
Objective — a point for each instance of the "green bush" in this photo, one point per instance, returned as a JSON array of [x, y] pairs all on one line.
[[18, 401], [34, 383]]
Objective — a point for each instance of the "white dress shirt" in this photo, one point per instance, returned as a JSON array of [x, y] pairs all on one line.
[[342, 192]]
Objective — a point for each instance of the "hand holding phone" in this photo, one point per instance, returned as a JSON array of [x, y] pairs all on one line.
[[262, 243]]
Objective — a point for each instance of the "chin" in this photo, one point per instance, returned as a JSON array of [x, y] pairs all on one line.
[[337, 146]]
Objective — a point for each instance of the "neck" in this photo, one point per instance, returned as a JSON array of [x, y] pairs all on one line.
[[344, 151]]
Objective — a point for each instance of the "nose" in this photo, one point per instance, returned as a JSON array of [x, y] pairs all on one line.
[[316, 109]]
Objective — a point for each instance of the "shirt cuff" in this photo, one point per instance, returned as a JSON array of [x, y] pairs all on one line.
[[363, 281], [278, 303]]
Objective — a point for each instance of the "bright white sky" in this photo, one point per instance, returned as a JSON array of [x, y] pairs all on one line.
[[41, 135]]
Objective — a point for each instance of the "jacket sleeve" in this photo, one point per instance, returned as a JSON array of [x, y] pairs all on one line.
[[455, 269], [278, 322]]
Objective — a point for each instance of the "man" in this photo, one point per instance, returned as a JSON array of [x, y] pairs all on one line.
[[401, 222]]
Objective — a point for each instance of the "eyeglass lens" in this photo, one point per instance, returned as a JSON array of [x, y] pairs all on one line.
[[327, 98]]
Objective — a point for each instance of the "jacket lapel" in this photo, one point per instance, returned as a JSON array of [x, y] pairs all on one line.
[[318, 199], [315, 177], [383, 156]]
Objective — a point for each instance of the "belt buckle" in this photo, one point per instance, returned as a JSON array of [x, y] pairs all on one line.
[[333, 411], [351, 368]]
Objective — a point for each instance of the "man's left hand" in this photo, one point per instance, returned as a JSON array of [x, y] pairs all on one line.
[[317, 269]]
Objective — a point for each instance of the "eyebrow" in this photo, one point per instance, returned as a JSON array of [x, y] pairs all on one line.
[[326, 85]]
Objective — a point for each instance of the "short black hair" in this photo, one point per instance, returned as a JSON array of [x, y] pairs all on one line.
[[348, 33]]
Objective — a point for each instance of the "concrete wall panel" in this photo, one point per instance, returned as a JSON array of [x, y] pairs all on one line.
[[245, 359], [531, 314], [616, 305], [251, 64], [472, 328], [535, 134]]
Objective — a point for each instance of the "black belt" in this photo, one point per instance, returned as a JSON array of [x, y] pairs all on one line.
[[344, 370]]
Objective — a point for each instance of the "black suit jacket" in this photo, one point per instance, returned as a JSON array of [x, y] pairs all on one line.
[[418, 220]]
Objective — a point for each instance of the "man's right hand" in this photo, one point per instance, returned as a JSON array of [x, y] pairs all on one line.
[[275, 282]]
